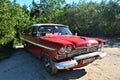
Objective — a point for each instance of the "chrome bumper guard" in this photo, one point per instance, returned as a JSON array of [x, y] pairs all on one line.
[[73, 62]]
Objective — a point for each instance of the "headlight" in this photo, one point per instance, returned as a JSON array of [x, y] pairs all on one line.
[[62, 53], [62, 50], [66, 49]]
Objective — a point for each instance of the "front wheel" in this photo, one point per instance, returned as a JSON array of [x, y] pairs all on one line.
[[49, 64]]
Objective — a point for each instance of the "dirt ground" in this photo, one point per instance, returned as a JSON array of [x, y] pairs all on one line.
[[105, 69], [24, 66]]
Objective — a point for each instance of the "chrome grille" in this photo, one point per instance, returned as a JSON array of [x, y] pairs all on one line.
[[84, 50]]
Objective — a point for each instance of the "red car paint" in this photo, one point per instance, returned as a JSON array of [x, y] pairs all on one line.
[[51, 44]]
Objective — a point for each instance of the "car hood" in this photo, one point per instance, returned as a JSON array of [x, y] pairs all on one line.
[[76, 41]]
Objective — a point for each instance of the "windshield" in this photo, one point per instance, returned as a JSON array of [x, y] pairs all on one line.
[[56, 30]]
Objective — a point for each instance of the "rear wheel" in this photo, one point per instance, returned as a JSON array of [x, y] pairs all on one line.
[[49, 64]]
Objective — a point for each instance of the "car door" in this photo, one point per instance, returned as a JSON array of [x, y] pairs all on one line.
[[32, 39]]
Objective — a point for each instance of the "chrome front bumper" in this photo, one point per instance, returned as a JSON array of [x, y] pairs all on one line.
[[73, 62]]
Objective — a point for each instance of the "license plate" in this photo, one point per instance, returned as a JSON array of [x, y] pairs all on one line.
[[88, 60]]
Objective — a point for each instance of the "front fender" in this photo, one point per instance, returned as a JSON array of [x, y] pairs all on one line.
[[101, 40]]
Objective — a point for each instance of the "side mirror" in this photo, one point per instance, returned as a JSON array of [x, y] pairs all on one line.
[[23, 32], [76, 34]]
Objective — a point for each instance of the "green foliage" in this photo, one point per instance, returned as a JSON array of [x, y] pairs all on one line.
[[88, 19], [7, 31], [45, 7], [12, 21]]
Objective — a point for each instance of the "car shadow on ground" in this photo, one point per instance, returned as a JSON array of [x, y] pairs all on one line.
[[70, 74]]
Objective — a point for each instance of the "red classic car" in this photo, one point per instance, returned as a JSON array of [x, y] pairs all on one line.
[[59, 49]]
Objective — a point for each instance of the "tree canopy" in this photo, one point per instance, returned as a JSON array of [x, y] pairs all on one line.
[[87, 18]]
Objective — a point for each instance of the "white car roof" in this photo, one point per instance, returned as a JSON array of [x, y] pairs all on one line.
[[47, 24]]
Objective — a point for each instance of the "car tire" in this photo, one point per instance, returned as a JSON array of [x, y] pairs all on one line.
[[49, 64]]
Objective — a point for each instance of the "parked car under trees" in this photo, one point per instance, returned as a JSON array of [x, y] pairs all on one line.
[[59, 48]]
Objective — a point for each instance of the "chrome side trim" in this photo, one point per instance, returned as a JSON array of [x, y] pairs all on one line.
[[40, 45]]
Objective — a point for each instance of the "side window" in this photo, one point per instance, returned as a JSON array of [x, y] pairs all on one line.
[[45, 30], [29, 32], [41, 31], [34, 31]]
